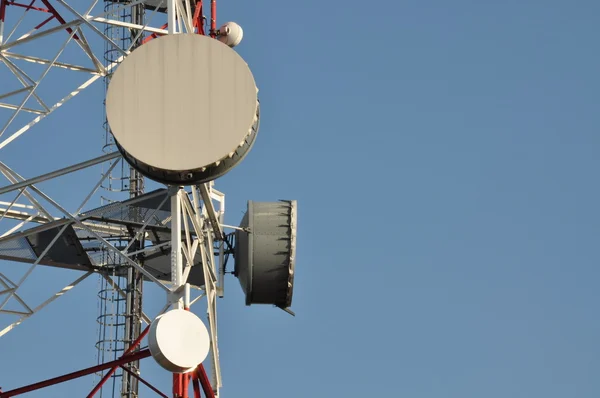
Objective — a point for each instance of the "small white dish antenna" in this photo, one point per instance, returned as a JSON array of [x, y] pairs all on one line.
[[231, 34], [178, 340]]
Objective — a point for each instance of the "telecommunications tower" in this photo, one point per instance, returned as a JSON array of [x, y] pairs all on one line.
[[181, 109]]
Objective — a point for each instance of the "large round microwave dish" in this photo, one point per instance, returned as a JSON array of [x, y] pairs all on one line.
[[182, 103]]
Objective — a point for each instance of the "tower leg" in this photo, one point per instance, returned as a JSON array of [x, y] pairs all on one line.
[[180, 385], [196, 386], [185, 384], [2, 16], [213, 18]]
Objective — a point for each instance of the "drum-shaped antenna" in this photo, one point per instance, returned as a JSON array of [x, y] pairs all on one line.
[[265, 252], [183, 109]]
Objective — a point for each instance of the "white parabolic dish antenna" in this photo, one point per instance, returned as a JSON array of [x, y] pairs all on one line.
[[183, 109], [178, 340]]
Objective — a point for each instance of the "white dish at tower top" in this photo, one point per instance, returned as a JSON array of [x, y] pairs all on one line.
[[182, 102]]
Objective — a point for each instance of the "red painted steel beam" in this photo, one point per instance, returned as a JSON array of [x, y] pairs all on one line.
[[2, 9], [155, 35], [112, 370], [58, 17], [198, 18], [80, 373], [176, 385], [202, 376], [213, 18], [147, 384], [181, 385], [29, 7], [44, 22], [196, 386], [185, 384]]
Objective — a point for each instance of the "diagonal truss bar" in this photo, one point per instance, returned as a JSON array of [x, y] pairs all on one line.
[[154, 35], [198, 17], [21, 108], [140, 233], [15, 92], [203, 378], [80, 40], [78, 221], [98, 184], [144, 382], [33, 266], [85, 46], [23, 129], [22, 77], [44, 22], [206, 199], [206, 252], [95, 225], [88, 371], [7, 211], [112, 369], [19, 225], [71, 24], [196, 386], [108, 244], [28, 309], [60, 172], [13, 312], [29, 37], [150, 249], [8, 174], [15, 204], [45, 303], [87, 19], [28, 7], [36, 85], [58, 223], [20, 300], [201, 296], [128, 25], [198, 229], [91, 26], [87, 83], [189, 23], [37, 60], [54, 239], [58, 17], [9, 289], [4, 3], [184, 15], [6, 279]]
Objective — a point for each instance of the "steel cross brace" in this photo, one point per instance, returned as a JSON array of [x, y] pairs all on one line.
[[76, 24], [74, 375]]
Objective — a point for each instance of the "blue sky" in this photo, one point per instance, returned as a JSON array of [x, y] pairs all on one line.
[[444, 159]]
